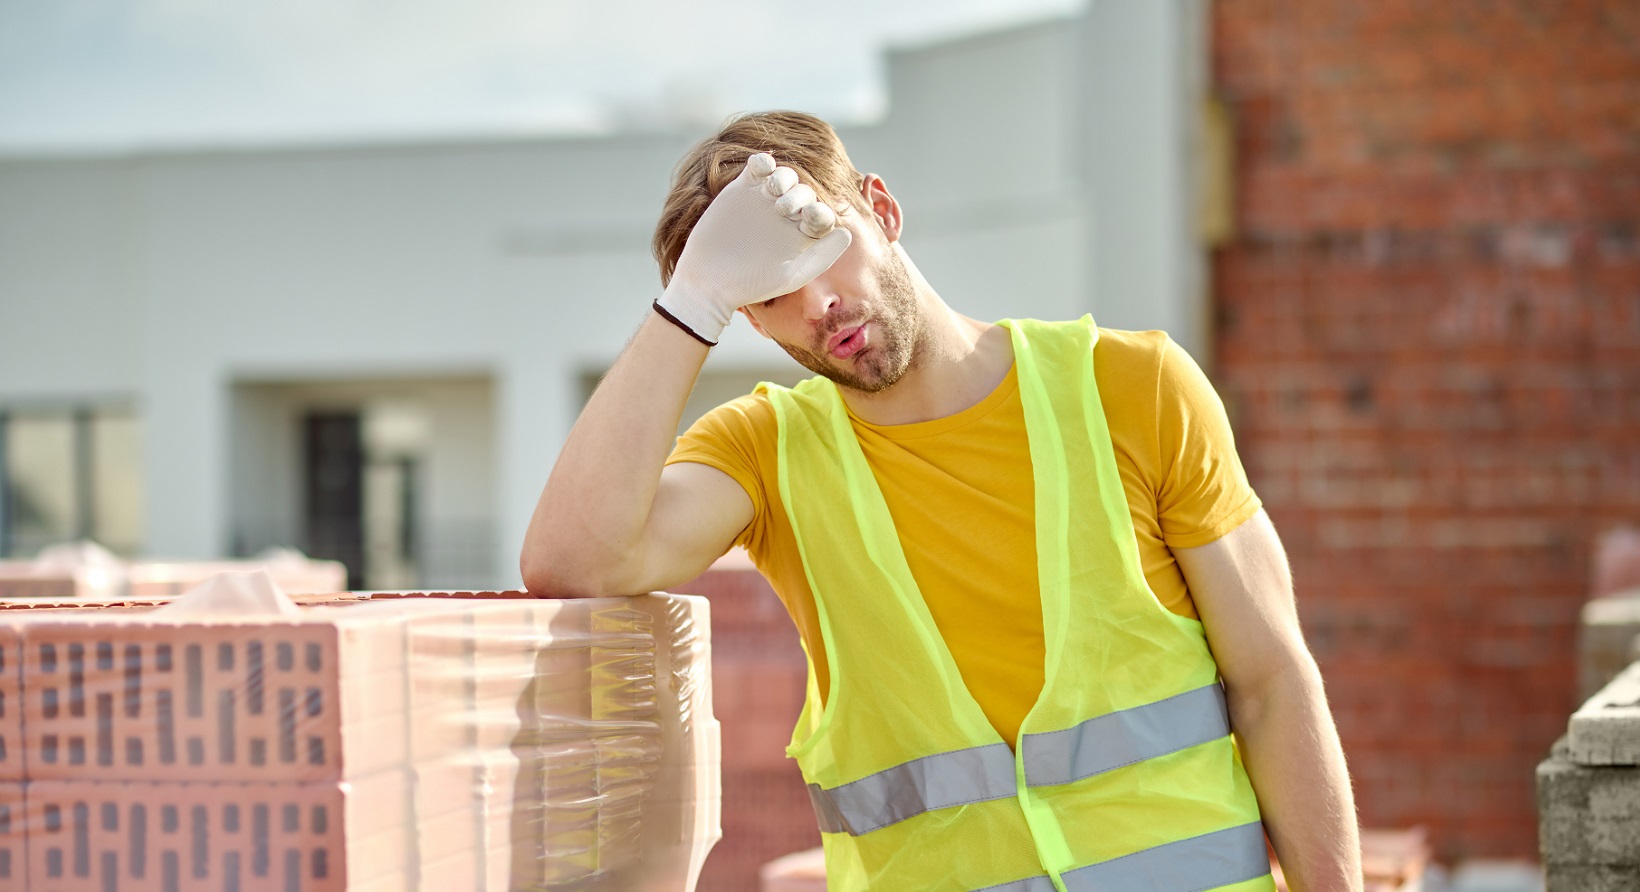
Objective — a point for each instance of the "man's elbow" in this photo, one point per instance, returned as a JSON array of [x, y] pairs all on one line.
[[564, 574], [1281, 675]]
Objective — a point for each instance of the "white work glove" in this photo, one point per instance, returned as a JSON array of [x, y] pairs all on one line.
[[764, 235]]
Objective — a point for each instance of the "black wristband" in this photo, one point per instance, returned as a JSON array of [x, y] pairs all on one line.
[[679, 323]]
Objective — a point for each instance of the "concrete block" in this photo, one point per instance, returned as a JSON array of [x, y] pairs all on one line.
[[1606, 638], [1587, 815], [1606, 730], [1592, 878]]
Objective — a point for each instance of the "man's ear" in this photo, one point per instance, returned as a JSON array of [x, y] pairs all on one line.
[[885, 208], [756, 326]]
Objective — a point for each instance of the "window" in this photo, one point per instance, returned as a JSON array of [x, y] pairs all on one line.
[[69, 473]]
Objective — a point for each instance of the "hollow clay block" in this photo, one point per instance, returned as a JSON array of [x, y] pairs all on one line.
[[140, 837], [1606, 730], [11, 705], [212, 702], [36, 581], [798, 872], [151, 579], [583, 748], [13, 841]]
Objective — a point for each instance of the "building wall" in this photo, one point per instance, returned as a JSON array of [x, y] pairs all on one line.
[[1429, 337], [452, 442], [162, 279]]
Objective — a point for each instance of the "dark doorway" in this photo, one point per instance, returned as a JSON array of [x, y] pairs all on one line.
[[333, 503]]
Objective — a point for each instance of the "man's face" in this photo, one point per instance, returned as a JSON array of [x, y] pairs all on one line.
[[858, 322]]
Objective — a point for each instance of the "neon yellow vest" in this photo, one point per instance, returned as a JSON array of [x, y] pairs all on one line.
[[1125, 776]]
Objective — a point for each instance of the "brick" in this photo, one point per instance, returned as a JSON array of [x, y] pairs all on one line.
[[197, 836], [13, 840], [212, 701], [293, 575], [1427, 342], [30, 580], [798, 872], [583, 728]]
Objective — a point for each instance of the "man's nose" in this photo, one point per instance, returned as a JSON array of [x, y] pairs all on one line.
[[817, 300]]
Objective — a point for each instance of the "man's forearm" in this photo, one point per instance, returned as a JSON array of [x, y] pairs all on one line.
[[1292, 753], [592, 512]]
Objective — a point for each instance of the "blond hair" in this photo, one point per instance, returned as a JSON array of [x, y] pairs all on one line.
[[802, 142]]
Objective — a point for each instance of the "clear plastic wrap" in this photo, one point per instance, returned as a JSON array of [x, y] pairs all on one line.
[[437, 741], [84, 571]]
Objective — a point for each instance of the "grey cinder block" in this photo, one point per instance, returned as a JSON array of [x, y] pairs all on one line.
[[1588, 815], [1606, 729], [1591, 878]]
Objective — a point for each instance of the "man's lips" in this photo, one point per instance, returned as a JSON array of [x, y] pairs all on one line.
[[846, 342]]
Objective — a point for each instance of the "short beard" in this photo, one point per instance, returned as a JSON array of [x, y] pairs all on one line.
[[900, 336]]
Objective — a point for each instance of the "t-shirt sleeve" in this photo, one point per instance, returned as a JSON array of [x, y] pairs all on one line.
[[1204, 492], [726, 438]]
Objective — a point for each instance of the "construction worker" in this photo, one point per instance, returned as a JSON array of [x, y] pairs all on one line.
[[1035, 589]]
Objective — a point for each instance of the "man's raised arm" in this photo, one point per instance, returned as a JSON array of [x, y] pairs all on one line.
[[610, 521]]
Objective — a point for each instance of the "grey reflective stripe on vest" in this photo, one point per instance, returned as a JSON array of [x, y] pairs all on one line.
[[1123, 738], [977, 774], [1032, 884], [986, 772], [1189, 865]]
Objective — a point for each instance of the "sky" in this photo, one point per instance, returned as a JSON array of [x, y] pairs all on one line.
[[98, 75]]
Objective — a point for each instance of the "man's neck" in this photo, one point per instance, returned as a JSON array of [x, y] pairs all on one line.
[[957, 362]]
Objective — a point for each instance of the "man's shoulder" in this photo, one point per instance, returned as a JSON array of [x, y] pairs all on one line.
[[1130, 359], [1124, 344], [748, 413]]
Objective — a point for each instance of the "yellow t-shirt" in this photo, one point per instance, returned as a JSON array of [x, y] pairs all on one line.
[[960, 491]]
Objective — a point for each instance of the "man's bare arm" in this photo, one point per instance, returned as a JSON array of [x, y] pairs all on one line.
[[613, 518], [611, 521], [1243, 590]]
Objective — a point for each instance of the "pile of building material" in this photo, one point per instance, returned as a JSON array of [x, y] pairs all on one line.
[[1589, 794], [234, 739], [86, 572]]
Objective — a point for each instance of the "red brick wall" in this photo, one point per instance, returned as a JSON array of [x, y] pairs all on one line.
[[1429, 338], [758, 674]]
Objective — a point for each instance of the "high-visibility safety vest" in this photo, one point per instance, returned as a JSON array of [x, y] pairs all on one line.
[[1124, 777]]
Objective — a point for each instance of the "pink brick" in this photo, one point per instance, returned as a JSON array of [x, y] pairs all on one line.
[[13, 841], [142, 701], [798, 872], [150, 837], [582, 728], [150, 579]]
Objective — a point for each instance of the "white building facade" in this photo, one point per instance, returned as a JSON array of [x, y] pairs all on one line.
[[434, 314]]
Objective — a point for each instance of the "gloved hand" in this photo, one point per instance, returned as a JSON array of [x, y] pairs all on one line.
[[764, 235]]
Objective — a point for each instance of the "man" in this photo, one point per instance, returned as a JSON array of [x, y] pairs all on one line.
[[1019, 572]]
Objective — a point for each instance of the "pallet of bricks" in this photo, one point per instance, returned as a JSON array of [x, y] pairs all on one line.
[[84, 571], [437, 741]]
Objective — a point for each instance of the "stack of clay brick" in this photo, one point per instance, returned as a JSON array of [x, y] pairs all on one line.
[[441, 741], [86, 572]]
